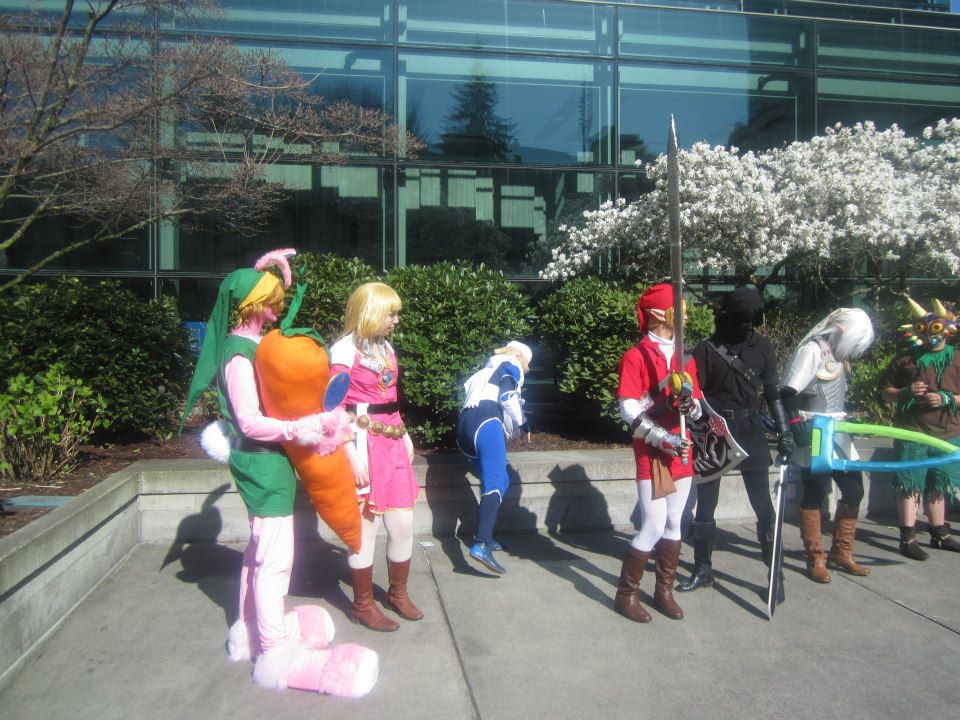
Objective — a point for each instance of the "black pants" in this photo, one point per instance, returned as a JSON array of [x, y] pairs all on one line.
[[816, 488], [757, 483]]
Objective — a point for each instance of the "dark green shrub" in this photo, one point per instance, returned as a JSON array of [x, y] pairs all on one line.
[[43, 421], [863, 394], [588, 323], [135, 354], [329, 280], [453, 316]]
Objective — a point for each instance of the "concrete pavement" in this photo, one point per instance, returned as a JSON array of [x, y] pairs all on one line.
[[539, 642]]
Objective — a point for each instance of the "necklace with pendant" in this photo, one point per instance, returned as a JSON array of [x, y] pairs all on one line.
[[377, 359]]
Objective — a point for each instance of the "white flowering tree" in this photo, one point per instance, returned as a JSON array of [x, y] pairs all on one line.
[[853, 202]]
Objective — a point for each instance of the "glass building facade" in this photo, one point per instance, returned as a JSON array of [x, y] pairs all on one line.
[[531, 112]]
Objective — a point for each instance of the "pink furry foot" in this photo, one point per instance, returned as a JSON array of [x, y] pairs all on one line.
[[314, 626], [344, 671]]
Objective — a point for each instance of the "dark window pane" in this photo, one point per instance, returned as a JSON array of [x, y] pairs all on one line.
[[363, 20], [910, 104], [195, 296], [751, 110], [888, 49], [514, 25], [715, 37], [842, 11], [497, 109], [507, 219], [338, 209]]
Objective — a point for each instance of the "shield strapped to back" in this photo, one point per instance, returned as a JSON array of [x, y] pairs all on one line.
[[715, 450]]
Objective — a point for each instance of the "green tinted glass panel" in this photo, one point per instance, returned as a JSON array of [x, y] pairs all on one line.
[[910, 104], [498, 109], [341, 209], [888, 49], [359, 20], [507, 25], [715, 37], [842, 11], [506, 218], [751, 110]]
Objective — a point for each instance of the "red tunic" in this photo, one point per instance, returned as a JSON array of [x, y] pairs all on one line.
[[641, 369]]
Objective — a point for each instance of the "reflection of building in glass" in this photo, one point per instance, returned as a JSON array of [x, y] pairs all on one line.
[[531, 111]]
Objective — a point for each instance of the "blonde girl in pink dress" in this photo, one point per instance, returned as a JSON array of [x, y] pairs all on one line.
[[382, 455]]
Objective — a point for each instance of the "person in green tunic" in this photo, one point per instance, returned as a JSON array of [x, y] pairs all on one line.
[[923, 383], [286, 647]]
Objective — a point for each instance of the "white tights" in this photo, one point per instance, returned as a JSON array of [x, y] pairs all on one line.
[[660, 518], [399, 525]]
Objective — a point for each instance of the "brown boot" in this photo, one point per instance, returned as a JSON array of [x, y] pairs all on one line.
[[813, 545], [668, 557], [841, 552], [397, 596], [628, 600], [365, 610]]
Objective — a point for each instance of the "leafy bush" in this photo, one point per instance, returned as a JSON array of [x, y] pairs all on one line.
[[43, 421], [453, 316], [588, 323], [863, 394], [135, 354], [329, 280]]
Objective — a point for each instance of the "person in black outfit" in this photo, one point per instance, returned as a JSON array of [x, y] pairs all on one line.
[[736, 368]]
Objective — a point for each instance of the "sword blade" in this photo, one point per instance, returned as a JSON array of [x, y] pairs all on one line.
[[777, 559]]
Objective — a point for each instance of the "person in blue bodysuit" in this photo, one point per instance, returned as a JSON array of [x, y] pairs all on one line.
[[493, 410]]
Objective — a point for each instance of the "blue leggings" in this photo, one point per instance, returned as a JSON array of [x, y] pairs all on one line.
[[491, 461]]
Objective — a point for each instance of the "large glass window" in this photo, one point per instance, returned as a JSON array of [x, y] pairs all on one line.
[[345, 210], [363, 20], [715, 37], [910, 104], [748, 109], [499, 109], [888, 49], [508, 25], [505, 218]]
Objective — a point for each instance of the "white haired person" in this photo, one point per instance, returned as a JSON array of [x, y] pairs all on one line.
[[383, 455], [287, 648], [815, 383], [492, 410], [662, 452]]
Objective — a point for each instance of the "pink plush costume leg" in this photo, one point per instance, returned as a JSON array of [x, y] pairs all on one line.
[[273, 561]]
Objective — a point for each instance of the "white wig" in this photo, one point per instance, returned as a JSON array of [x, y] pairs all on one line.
[[848, 330]]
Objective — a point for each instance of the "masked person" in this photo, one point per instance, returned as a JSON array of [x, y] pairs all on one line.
[[737, 373], [663, 455], [815, 383], [287, 648], [493, 410], [382, 457], [924, 383]]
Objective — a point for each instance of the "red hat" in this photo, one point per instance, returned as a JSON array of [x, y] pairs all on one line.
[[655, 297]]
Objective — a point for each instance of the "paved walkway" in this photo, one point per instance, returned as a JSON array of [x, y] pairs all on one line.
[[540, 642]]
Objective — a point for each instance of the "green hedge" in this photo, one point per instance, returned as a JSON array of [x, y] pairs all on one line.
[[329, 280], [587, 324], [453, 316], [134, 354]]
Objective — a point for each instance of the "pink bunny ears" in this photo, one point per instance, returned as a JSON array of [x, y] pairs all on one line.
[[278, 258]]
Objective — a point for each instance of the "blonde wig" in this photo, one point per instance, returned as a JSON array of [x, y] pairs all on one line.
[[274, 300], [515, 353], [368, 309]]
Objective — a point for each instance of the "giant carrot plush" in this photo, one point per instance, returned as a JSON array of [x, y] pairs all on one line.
[[293, 369]]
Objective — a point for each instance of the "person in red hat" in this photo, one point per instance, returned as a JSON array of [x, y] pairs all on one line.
[[663, 455]]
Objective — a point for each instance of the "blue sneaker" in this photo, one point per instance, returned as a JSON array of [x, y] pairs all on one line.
[[494, 546], [483, 554]]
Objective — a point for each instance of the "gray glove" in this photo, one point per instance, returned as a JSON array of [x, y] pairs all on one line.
[[652, 434]]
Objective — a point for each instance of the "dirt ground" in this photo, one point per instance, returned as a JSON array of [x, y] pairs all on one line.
[[99, 461]]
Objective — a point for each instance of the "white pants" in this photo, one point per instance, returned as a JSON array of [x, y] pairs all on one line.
[[660, 518]]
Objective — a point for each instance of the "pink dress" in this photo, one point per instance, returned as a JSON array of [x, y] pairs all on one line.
[[392, 483]]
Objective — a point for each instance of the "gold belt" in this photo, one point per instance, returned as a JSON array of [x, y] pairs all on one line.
[[378, 427]]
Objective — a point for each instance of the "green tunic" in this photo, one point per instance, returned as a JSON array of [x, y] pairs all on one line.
[[265, 480]]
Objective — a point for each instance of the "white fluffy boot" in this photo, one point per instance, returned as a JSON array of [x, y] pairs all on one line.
[[343, 671], [311, 625]]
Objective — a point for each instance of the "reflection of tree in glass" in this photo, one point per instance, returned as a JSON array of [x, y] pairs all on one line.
[[474, 130], [435, 234]]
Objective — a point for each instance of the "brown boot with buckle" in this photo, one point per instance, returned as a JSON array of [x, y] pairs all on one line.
[[813, 545], [668, 557], [844, 531], [627, 602], [365, 610], [397, 597]]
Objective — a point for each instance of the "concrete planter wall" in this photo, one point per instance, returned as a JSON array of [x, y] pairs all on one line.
[[49, 567]]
